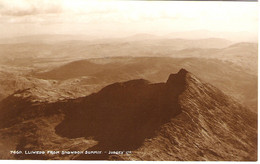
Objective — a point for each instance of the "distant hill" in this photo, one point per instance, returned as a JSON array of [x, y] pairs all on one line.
[[38, 48], [242, 36]]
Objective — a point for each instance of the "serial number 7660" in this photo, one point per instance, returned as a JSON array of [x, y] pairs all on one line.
[[16, 152]]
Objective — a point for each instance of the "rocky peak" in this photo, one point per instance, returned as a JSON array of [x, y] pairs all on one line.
[[177, 82], [177, 78]]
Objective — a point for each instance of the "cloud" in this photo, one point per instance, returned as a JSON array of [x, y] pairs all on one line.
[[29, 7], [125, 16]]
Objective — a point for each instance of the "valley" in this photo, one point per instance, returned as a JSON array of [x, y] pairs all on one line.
[[161, 99]]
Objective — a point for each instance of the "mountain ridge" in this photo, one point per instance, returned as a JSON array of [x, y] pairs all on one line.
[[180, 119], [172, 103]]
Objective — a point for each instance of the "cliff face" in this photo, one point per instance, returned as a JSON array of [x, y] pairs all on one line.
[[211, 126], [122, 115], [182, 119]]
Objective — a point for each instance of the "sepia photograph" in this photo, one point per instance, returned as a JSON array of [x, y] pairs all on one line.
[[128, 80]]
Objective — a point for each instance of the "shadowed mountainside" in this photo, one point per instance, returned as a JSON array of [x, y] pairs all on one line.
[[182, 119], [124, 115]]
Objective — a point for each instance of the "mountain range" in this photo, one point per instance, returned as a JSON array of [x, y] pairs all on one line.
[[183, 118], [228, 77], [83, 93]]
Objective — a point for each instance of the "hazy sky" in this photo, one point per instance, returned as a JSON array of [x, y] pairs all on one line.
[[123, 18]]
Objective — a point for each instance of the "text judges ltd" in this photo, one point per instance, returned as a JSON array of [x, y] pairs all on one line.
[[68, 152]]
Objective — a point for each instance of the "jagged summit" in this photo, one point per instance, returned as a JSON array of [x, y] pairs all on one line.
[[182, 70], [176, 83], [178, 78], [174, 80], [181, 119], [125, 115]]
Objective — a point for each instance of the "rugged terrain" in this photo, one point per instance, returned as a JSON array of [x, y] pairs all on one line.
[[182, 119], [57, 67], [83, 77], [82, 93]]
